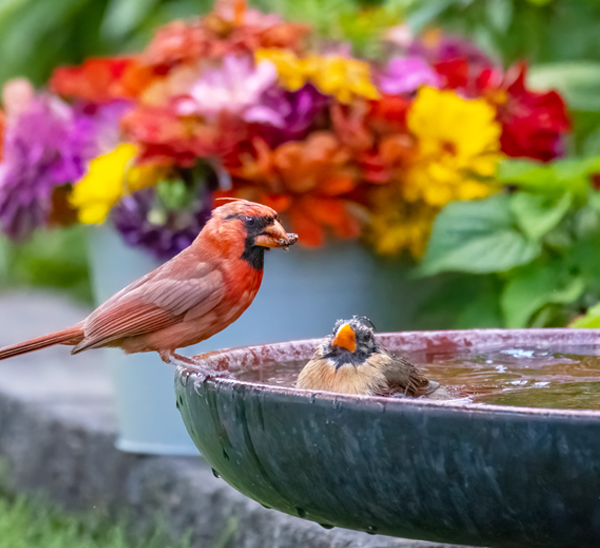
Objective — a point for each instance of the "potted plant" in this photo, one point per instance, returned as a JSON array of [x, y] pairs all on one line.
[[355, 152]]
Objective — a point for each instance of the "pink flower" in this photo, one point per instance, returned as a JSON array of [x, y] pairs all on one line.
[[236, 87], [404, 75]]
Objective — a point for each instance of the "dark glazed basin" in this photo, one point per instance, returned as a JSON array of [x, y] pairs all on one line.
[[451, 472]]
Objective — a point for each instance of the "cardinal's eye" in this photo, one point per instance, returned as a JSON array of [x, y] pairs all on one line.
[[249, 221]]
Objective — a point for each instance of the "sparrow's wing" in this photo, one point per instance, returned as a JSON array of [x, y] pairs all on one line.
[[403, 376], [151, 306]]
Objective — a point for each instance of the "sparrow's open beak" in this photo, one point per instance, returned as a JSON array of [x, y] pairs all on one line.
[[345, 337], [275, 236]]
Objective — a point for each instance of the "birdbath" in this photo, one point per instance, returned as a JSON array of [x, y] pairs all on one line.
[[453, 471]]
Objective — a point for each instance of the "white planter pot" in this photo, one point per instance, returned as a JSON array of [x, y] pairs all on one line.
[[303, 293]]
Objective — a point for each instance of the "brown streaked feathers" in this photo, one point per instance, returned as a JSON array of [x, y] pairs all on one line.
[[361, 365]]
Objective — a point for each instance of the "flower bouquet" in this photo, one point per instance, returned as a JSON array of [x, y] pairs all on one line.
[[408, 152], [239, 103]]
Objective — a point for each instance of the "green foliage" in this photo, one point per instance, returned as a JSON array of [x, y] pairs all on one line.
[[478, 236], [461, 302], [29, 523], [55, 259], [541, 31], [590, 320], [539, 243], [38, 35]]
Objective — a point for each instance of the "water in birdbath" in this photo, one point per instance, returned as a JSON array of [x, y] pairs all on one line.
[[524, 376]]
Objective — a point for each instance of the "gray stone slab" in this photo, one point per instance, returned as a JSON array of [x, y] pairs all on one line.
[[57, 437]]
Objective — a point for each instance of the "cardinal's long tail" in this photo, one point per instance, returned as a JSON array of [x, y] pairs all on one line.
[[70, 335]]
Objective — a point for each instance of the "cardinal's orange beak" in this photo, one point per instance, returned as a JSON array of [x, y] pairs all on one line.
[[345, 337], [275, 236]]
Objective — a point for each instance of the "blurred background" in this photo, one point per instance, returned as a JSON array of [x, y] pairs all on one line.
[[560, 39]]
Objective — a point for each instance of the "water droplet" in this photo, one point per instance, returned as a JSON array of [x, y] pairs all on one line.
[[371, 529], [177, 404], [225, 455], [215, 473], [326, 525], [301, 513]]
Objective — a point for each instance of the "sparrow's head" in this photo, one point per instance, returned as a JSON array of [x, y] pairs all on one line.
[[252, 227], [351, 342]]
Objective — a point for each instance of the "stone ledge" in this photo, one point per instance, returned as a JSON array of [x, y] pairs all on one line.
[[57, 437]]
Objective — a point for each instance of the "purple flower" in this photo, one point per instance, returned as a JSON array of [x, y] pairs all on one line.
[[144, 223], [32, 163], [47, 144], [294, 112], [235, 87], [405, 75]]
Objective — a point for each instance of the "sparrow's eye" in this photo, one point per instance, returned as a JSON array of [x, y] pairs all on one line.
[[249, 221]]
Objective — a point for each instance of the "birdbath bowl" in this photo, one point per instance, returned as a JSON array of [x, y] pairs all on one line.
[[453, 471]]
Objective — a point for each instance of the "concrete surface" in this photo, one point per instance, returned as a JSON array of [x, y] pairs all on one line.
[[57, 437]]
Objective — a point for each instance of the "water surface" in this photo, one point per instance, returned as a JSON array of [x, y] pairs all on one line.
[[523, 376]]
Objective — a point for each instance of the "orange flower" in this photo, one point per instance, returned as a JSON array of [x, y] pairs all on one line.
[[310, 215], [317, 164], [310, 180], [96, 80]]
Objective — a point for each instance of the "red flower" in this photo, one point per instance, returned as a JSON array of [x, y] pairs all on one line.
[[229, 28], [533, 123], [167, 138]]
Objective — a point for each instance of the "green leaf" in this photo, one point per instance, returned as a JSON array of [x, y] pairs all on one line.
[[121, 17], [591, 144], [535, 286], [525, 173], [538, 214], [569, 175], [477, 236], [591, 319], [480, 313], [577, 81], [584, 256], [461, 301], [499, 14]]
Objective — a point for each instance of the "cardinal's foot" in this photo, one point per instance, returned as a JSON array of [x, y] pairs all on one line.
[[197, 365]]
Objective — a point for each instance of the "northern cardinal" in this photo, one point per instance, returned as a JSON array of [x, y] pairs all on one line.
[[189, 298], [352, 361]]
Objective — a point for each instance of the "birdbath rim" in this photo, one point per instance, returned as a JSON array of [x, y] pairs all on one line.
[[439, 341]]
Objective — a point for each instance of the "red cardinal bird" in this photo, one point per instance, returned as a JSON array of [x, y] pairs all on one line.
[[188, 299]]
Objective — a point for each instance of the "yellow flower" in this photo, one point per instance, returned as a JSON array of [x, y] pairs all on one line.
[[290, 69], [397, 225], [333, 75], [341, 77], [459, 148], [109, 177]]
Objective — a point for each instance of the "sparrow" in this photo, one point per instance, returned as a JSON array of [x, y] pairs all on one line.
[[188, 299], [352, 361]]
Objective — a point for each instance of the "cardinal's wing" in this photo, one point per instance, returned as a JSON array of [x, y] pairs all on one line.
[[152, 305]]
